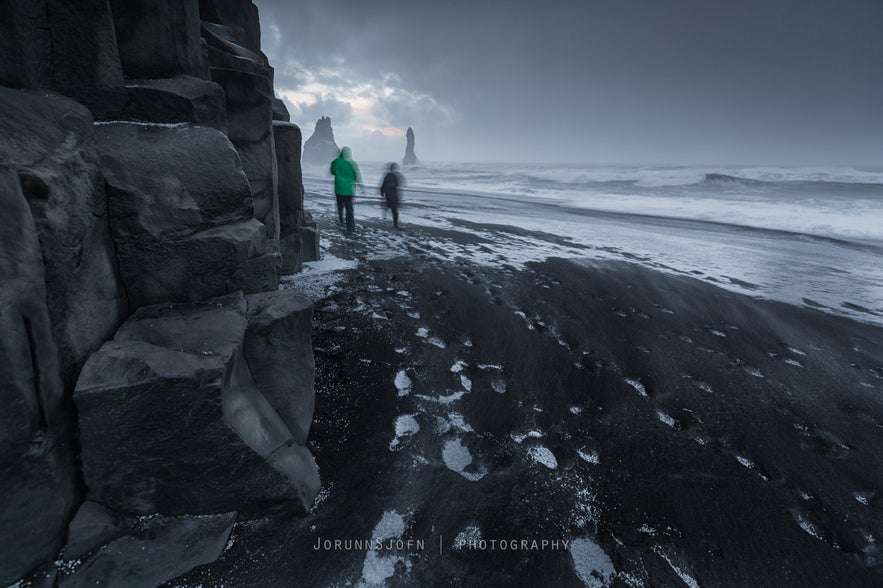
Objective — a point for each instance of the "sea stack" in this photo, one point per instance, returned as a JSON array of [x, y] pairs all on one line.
[[320, 149], [410, 157]]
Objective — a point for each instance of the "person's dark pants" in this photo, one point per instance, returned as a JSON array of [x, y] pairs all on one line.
[[339, 208], [395, 216], [347, 203]]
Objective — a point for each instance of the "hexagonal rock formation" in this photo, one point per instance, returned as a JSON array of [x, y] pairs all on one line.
[[180, 214], [172, 419]]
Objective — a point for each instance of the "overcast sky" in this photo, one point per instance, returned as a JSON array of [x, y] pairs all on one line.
[[785, 82]]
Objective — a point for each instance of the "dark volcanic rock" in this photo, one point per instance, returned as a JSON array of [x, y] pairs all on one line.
[[410, 157], [160, 38], [250, 128], [280, 111], [93, 527], [279, 353], [309, 239], [65, 46], [171, 420], [50, 142], [240, 15], [178, 100], [320, 148], [181, 214], [291, 194], [156, 551], [38, 492]]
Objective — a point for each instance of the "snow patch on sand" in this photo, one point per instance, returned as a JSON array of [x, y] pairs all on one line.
[[520, 438], [638, 386], [317, 278], [665, 418], [457, 458], [589, 456], [444, 399], [472, 533], [458, 366], [684, 576], [591, 563], [544, 456], [466, 383], [405, 426], [437, 342], [378, 568], [403, 383], [793, 362], [422, 332]]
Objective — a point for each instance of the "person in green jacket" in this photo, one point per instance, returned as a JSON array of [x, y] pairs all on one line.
[[346, 177]]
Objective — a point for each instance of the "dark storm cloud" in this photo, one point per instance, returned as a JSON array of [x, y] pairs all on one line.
[[778, 81], [340, 112]]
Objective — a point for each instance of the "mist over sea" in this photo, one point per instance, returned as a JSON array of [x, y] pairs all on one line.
[[808, 236]]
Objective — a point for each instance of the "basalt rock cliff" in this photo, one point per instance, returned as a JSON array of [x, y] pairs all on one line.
[[151, 192]]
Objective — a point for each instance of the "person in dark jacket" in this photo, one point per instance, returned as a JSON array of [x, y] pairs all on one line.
[[346, 177], [393, 182]]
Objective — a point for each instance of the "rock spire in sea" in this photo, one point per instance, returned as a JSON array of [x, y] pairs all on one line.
[[320, 148], [410, 157]]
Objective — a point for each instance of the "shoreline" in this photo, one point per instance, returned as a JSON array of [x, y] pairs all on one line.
[[665, 427]]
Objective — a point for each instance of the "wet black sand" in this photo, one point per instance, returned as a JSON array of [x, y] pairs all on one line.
[[698, 436]]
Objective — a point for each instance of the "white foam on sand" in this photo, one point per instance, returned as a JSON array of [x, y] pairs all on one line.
[[591, 563], [405, 426], [378, 568], [457, 458], [544, 456], [403, 383]]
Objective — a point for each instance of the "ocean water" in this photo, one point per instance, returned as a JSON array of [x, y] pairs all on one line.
[[830, 202], [806, 236]]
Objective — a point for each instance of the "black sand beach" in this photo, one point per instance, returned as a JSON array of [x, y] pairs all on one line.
[[673, 433]]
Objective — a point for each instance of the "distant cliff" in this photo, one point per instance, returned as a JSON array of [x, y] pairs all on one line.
[[320, 148], [410, 157], [152, 195]]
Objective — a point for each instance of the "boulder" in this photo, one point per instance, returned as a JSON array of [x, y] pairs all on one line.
[[25, 45], [94, 526], [291, 193], [410, 157], [240, 15], [68, 47], [159, 549], [280, 111], [279, 353], [37, 465], [249, 126], [309, 238], [320, 149], [178, 100], [50, 142], [180, 212], [171, 420], [160, 38]]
